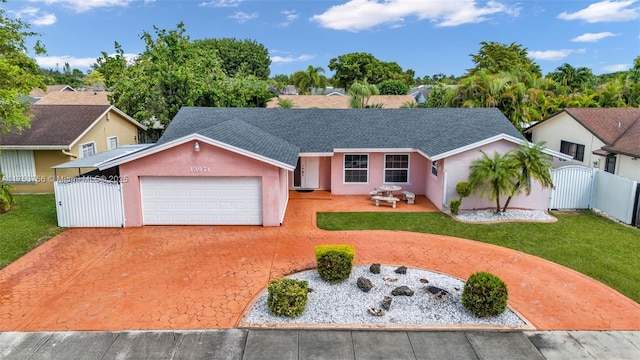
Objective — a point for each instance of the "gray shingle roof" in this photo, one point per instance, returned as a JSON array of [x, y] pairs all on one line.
[[432, 131]]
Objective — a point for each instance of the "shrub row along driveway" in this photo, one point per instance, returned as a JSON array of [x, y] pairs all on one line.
[[205, 277]]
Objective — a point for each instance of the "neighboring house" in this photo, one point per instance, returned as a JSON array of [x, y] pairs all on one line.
[[222, 166], [37, 93], [75, 98], [339, 102], [604, 138], [60, 133]]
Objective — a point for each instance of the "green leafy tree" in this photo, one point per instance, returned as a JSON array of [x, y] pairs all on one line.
[[73, 78], [495, 57], [360, 93], [172, 73], [393, 87], [6, 198], [492, 176], [361, 66], [574, 78], [95, 79], [532, 164], [440, 96], [238, 57], [19, 74]]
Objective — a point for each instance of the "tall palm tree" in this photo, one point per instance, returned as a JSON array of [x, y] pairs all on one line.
[[315, 79], [360, 93], [492, 176], [531, 164]]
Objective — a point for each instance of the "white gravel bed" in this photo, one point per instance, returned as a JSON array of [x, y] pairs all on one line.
[[509, 215], [345, 303]]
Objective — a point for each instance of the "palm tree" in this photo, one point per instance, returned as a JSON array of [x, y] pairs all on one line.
[[309, 79], [360, 93], [531, 164], [285, 103], [492, 176]]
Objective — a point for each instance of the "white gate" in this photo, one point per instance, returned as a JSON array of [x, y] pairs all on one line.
[[573, 187], [615, 195], [89, 202]]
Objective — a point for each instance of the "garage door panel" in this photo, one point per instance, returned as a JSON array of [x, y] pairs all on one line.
[[201, 200]]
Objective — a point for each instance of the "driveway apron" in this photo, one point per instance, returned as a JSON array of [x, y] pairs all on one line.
[[205, 277]]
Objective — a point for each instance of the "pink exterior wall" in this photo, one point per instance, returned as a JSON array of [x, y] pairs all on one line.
[[457, 169], [325, 174], [433, 184], [417, 172], [177, 161]]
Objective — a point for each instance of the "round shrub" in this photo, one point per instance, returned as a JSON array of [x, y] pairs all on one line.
[[287, 297], [485, 295], [334, 266], [454, 206], [393, 87], [463, 189]]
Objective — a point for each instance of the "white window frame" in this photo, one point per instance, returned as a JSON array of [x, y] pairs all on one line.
[[434, 168], [18, 166], [345, 169], [109, 147], [384, 173], [82, 146]]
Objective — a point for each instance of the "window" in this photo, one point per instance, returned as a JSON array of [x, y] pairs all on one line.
[[575, 150], [434, 168], [610, 165], [87, 149], [356, 168], [18, 166], [396, 168], [112, 142]]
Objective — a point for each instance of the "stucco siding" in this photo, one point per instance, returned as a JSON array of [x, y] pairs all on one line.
[[433, 184], [457, 168], [627, 167], [564, 127], [181, 160], [417, 170], [112, 124]]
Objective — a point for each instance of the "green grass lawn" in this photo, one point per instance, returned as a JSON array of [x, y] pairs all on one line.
[[584, 241], [31, 222]]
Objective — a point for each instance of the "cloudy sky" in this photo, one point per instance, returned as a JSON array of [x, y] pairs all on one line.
[[428, 36]]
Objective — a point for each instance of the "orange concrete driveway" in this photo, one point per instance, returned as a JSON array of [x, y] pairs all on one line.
[[197, 277]]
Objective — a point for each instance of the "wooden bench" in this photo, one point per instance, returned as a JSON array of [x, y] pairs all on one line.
[[409, 197], [389, 199]]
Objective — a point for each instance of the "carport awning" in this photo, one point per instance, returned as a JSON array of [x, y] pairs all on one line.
[[95, 160]]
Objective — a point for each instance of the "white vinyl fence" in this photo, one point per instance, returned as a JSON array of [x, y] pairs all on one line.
[[581, 187], [89, 202]]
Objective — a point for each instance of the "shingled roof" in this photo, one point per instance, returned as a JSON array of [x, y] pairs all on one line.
[[340, 102], [432, 131], [56, 126]]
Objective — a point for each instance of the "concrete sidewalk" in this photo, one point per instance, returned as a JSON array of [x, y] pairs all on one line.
[[320, 344]]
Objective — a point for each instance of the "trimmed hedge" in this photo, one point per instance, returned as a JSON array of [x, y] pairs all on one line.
[[334, 262], [485, 295], [287, 297], [454, 206]]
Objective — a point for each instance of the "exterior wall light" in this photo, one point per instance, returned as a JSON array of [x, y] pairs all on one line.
[[196, 147]]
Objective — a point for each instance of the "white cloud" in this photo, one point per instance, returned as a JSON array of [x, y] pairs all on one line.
[[80, 6], [290, 16], [243, 17], [34, 16], [616, 68], [592, 37], [289, 59], [553, 55], [356, 15], [605, 11], [50, 62], [221, 3]]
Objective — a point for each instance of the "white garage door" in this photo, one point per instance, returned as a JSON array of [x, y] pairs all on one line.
[[201, 200]]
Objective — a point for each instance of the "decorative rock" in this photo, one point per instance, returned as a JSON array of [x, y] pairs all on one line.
[[364, 284], [424, 281], [375, 268], [457, 288], [438, 292], [386, 278], [375, 312], [310, 290], [402, 290], [386, 302], [401, 270]]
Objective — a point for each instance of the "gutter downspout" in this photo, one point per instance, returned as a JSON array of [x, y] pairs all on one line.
[[65, 152]]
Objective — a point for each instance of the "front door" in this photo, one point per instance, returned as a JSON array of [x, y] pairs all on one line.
[[307, 173]]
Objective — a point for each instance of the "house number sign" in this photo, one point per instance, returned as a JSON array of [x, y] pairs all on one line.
[[199, 169]]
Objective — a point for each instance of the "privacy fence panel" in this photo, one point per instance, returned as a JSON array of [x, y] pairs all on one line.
[[89, 202], [615, 195], [573, 188]]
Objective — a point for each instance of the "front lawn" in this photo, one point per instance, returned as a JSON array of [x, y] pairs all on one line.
[[31, 222], [583, 241]]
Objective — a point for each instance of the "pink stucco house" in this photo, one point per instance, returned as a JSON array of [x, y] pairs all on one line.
[[218, 166]]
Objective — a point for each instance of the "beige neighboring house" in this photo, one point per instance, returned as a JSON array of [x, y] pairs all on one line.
[[37, 93], [60, 133], [604, 138], [340, 102]]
